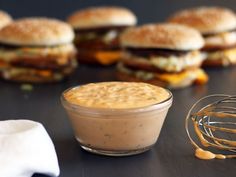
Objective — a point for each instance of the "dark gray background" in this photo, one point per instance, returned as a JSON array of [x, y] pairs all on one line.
[[172, 156], [146, 10]]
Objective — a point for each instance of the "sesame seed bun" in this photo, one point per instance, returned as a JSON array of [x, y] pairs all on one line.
[[36, 32], [94, 17], [206, 19], [165, 36], [5, 19]]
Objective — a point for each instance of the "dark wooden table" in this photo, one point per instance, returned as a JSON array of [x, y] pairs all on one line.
[[172, 156]]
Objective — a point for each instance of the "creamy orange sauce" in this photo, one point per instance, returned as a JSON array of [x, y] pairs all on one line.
[[116, 129], [207, 155], [215, 135], [200, 135], [116, 95]]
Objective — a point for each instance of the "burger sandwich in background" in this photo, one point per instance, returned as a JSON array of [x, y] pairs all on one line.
[[162, 54], [218, 27], [97, 32], [37, 50]]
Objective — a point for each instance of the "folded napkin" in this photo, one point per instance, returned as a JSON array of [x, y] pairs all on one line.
[[25, 149]]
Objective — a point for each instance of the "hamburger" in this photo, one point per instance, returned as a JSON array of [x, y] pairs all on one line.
[[36, 50], [5, 18], [218, 27], [162, 54], [97, 32]]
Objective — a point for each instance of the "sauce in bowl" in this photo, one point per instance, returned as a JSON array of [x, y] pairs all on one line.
[[117, 118]]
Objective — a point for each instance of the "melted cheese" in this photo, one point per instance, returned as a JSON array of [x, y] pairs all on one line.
[[202, 77], [45, 73], [173, 78], [197, 74], [107, 58]]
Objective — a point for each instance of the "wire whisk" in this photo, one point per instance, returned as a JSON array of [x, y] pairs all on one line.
[[214, 121]]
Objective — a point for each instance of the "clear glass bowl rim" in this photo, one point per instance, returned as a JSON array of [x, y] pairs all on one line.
[[165, 104]]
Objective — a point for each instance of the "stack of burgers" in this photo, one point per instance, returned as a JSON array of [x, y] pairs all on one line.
[[97, 31], [36, 50], [162, 54], [217, 26], [167, 54]]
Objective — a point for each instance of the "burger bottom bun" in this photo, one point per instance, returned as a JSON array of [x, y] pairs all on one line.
[[31, 75], [131, 78], [25, 78]]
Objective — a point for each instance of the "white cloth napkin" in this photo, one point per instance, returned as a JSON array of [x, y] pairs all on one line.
[[25, 149]]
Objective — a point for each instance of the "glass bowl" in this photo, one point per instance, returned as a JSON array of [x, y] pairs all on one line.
[[117, 132]]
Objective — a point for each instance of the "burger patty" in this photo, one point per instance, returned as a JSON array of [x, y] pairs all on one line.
[[103, 38], [147, 52], [101, 30], [42, 63], [98, 44], [39, 57], [6, 46], [8, 52], [215, 63], [166, 63], [217, 48], [213, 34]]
